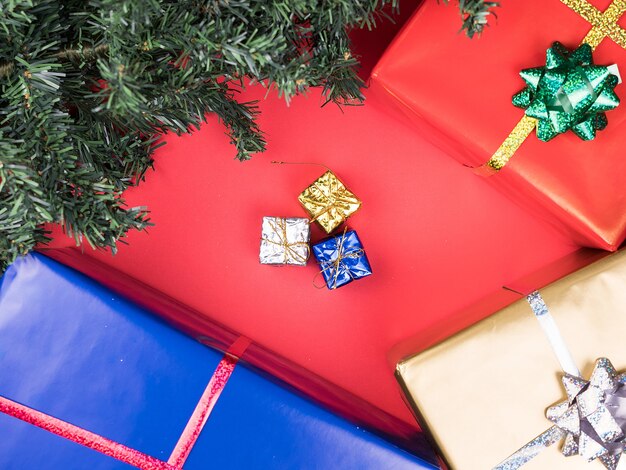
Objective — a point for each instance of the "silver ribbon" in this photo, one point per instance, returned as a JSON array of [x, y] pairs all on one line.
[[592, 421]]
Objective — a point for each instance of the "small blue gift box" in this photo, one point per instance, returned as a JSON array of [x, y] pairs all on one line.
[[342, 259], [90, 380]]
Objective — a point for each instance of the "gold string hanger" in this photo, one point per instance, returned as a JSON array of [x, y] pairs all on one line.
[[277, 162]]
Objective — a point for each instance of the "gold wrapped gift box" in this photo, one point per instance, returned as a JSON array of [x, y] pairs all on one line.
[[483, 393], [329, 202]]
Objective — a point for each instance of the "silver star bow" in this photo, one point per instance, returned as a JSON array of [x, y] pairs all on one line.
[[592, 420]]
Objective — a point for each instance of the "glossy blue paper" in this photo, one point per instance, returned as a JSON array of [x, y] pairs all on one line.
[[74, 350], [352, 265]]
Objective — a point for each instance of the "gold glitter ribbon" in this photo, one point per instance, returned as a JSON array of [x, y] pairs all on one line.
[[604, 24], [280, 229]]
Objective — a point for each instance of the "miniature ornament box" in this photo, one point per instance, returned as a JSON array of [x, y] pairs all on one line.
[[329, 202], [91, 380], [459, 91], [284, 241], [535, 377], [342, 259]]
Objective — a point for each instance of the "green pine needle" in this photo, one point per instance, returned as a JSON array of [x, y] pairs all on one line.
[[475, 15]]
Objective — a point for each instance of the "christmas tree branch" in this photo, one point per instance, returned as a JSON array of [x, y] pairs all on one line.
[[6, 69], [75, 55], [86, 54], [88, 88], [475, 15]]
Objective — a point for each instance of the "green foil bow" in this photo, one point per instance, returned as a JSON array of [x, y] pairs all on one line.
[[570, 92]]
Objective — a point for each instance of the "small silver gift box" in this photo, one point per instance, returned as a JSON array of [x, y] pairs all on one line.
[[285, 241]]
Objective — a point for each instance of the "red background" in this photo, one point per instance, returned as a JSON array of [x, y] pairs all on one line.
[[440, 240]]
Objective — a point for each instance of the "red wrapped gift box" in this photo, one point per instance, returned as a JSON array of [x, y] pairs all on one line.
[[459, 92]]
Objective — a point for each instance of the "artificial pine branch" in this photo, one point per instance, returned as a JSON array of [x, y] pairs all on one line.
[[87, 88], [475, 15], [75, 55]]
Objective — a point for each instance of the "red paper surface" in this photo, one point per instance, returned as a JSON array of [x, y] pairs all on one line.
[[439, 239], [459, 92]]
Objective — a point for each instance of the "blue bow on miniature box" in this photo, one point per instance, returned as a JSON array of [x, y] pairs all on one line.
[[342, 259]]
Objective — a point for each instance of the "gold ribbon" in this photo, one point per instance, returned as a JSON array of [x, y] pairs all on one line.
[[604, 24], [336, 264], [280, 230]]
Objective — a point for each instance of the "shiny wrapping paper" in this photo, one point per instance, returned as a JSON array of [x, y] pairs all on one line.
[[329, 202], [342, 259], [284, 241], [75, 352], [458, 92], [483, 393]]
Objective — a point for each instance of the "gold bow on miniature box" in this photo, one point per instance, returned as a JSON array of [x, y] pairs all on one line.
[[329, 202]]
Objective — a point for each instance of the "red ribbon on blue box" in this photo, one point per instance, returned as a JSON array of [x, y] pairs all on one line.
[[83, 364], [121, 452]]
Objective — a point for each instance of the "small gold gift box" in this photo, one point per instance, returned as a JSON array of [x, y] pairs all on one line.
[[329, 202]]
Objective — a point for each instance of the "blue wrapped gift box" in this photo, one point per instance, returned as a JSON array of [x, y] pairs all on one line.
[[73, 350], [342, 259]]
